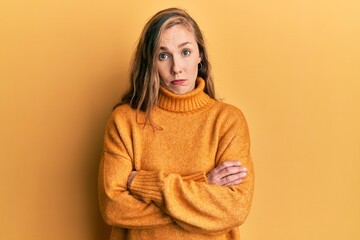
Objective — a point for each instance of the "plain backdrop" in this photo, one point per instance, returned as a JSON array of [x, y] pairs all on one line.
[[292, 67]]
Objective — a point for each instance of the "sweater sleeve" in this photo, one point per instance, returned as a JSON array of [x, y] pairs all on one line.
[[117, 205], [198, 206]]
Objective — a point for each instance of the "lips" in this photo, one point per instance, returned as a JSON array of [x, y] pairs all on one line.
[[178, 81]]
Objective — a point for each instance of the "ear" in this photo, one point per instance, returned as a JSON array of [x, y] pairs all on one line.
[[199, 61]]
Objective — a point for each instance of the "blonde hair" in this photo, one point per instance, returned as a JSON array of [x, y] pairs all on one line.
[[144, 77]]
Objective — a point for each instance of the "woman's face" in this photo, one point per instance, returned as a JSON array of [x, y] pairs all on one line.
[[177, 59]]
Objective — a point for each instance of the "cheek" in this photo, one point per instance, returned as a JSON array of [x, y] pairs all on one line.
[[161, 69], [194, 65], [164, 71]]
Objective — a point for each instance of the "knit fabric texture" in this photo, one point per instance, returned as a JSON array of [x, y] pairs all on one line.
[[170, 198]]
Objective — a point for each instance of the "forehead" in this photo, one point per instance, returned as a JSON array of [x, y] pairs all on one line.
[[175, 35]]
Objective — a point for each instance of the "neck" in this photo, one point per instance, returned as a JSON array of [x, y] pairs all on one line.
[[193, 100]]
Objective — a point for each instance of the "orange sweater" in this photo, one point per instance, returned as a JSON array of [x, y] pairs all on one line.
[[169, 197]]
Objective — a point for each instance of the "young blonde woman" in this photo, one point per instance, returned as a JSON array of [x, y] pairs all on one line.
[[176, 161]]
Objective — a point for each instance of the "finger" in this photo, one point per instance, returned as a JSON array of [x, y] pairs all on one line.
[[225, 165], [237, 182], [220, 177], [131, 178], [233, 178], [220, 171], [230, 171]]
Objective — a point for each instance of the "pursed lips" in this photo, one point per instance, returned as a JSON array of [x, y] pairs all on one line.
[[178, 81]]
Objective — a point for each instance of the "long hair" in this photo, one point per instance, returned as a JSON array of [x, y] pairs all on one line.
[[144, 76]]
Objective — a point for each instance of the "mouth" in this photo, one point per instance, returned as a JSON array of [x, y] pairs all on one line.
[[178, 81]]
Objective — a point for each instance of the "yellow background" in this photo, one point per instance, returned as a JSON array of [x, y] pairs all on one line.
[[292, 66]]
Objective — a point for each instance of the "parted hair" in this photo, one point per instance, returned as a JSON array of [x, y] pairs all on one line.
[[144, 77]]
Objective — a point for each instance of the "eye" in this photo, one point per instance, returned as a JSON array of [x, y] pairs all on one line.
[[163, 56], [186, 52]]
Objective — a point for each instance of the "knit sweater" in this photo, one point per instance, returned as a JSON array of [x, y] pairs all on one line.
[[169, 198]]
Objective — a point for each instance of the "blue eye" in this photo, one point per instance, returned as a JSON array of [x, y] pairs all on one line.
[[186, 52], [163, 56]]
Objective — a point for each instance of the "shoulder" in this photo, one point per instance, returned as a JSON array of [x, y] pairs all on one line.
[[123, 113], [229, 111], [230, 118], [123, 110], [122, 117]]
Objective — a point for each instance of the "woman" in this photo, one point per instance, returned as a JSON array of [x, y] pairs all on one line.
[[176, 162]]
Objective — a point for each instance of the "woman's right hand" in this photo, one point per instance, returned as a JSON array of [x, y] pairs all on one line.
[[228, 173], [130, 178]]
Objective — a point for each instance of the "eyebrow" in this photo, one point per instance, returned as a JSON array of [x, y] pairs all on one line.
[[179, 46]]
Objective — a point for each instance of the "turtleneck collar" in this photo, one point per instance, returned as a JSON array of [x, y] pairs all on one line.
[[184, 102]]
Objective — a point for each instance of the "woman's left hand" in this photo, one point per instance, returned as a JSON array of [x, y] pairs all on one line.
[[228, 173]]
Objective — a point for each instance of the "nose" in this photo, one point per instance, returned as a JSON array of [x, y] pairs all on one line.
[[176, 66]]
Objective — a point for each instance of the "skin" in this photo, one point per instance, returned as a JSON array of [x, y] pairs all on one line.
[[177, 63], [228, 173], [178, 59]]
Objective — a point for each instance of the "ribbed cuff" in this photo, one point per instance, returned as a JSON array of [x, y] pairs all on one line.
[[147, 185], [197, 177]]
